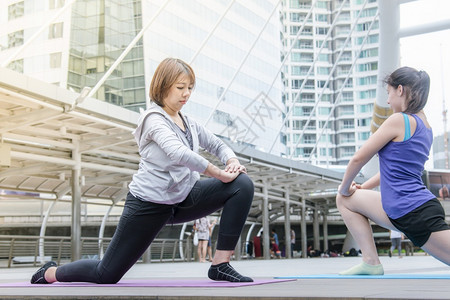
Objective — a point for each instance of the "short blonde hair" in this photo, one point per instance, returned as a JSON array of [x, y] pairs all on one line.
[[166, 75]]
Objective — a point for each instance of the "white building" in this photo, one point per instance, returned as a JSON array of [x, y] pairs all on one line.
[[330, 74]]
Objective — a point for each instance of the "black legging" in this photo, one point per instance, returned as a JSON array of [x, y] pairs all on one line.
[[141, 221]]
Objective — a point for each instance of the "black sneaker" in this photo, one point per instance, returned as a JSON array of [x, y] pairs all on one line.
[[38, 277], [225, 272]]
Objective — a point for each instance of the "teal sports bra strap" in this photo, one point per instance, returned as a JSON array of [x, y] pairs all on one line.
[[407, 127]]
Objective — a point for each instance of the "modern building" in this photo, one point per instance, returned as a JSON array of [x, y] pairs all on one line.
[[115, 46], [441, 154], [330, 50]]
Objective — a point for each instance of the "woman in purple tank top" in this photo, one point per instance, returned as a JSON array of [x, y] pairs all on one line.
[[403, 203]]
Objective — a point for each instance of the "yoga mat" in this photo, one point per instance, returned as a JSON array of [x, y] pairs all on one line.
[[182, 283], [386, 276]]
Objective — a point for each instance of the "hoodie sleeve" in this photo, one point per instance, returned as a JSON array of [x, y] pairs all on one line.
[[159, 130], [213, 144]]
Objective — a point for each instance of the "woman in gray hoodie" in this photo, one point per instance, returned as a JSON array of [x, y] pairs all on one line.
[[167, 187]]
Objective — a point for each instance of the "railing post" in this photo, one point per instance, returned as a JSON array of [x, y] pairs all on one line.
[[11, 252]]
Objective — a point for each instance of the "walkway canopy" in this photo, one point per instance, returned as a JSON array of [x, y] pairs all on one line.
[[55, 142]]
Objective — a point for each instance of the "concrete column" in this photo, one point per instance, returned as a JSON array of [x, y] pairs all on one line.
[[303, 229], [388, 61], [76, 205], [287, 225], [325, 230], [265, 221], [316, 229], [238, 249]]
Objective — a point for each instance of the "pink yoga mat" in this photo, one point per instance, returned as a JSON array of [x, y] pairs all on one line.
[[182, 283]]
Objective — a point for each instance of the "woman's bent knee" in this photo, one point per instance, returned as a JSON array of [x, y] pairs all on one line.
[[340, 201], [244, 182]]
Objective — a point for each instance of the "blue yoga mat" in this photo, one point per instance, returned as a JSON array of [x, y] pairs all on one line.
[[386, 276]]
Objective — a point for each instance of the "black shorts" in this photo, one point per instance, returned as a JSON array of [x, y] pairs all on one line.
[[418, 224]]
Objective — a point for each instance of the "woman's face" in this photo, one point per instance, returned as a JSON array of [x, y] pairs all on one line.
[[396, 98], [178, 94]]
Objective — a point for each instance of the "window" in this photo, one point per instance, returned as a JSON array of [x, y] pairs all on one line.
[[365, 108], [297, 17], [322, 4], [52, 4], [369, 53], [373, 66], [55, 31], [346, 110], [15, 10], [325, 98], [363, 136], [321, 18], [347, 96], [347, 138], [325, 138], [16, 65], [319, 44], [299, 4], [324, 111], [366, 26], [347, 151], [55, 60], [367, 80], [321, 83], [372, 39], [309, 139], [297, 70], [364, 122], [323, 70], [323, 57], [15, 39], [369, 94], [367, 12], [321, 31], [347, 124]]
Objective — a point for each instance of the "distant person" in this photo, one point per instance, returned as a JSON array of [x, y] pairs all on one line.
[[396, 243], [274, 250], [167, 188], [201, 226], [211, 227], [404, 203], [292, 242], [275, 237]]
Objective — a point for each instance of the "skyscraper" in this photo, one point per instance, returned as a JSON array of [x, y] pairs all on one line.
[[330, 51]]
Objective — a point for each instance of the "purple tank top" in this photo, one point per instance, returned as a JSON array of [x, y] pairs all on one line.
[[401, 167]]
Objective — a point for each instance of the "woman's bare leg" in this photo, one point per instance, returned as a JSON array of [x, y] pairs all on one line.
[[356, 211], [438, 245]]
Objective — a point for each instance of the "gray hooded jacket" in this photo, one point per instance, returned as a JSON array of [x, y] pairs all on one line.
[[168, 168]]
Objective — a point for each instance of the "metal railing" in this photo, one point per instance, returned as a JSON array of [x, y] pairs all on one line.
[[22, 249]]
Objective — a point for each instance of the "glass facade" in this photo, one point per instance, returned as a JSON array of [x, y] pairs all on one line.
[[100, 31]]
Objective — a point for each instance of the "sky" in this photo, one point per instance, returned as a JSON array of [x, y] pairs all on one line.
[[429, 52]]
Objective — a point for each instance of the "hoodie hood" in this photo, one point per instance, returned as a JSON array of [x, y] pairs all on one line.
[[154, 108]]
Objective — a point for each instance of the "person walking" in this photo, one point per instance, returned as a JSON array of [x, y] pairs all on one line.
[[396, 242]]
